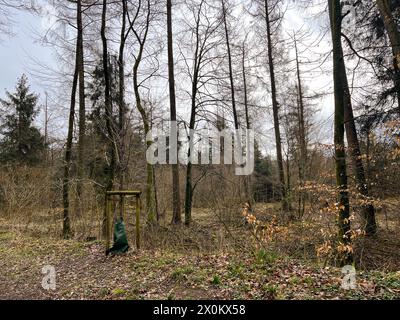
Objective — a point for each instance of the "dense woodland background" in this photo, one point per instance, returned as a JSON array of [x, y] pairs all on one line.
[[318, 82]]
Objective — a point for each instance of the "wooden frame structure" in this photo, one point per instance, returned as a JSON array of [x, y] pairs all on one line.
[[109, 199]]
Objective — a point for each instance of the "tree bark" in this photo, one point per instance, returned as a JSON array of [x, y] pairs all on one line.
[[302, 134], [121, 97], [247, 179], [198, 54], [189, 187], [176, 202], [82, 108], [231, 80], [394, 36], [150, 206], [275, 109], [108, 109], [335, 14], [68, 156], [245, 91], [368, 210]]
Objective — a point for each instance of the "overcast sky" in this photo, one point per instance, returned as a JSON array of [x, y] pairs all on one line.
[[19, 52]]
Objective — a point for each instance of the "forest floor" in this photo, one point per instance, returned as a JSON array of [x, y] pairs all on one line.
[[191, 269]]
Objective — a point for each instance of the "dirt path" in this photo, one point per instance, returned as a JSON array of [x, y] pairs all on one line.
[[83, 272]]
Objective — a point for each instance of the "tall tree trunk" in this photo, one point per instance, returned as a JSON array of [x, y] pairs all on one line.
[[245, 91], [68, 156], [121, 103], [176, 202], [122, 108], [150, 206], [155, 195], [368, 152], [196, 70], [275, 109], [46, 131], [82, 108], [394, 35], [238, 143], [188, 193], [288, 176], [189, 186], [335, 14], [247, 179], [228, 50], [368, 210], [302, 134], [108, 109]]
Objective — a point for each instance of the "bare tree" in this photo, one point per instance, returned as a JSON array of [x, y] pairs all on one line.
[[176, 202], [335, 13], [82, 108], [141, 38], [78, 77], [203, 31], [275, 106], [368, 210], [302, 131], [394, 35], [108, 109], [230, 65], [68, 156]]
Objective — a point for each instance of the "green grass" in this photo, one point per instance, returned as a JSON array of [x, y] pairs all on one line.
[[216, 280], [270, 290], [181, 273], [391, 280], [295, 280], [264, 257], [236, 270], [118, 292]]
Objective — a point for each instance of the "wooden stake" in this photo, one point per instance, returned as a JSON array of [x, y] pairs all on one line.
[[137, 223], [107, 223]]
